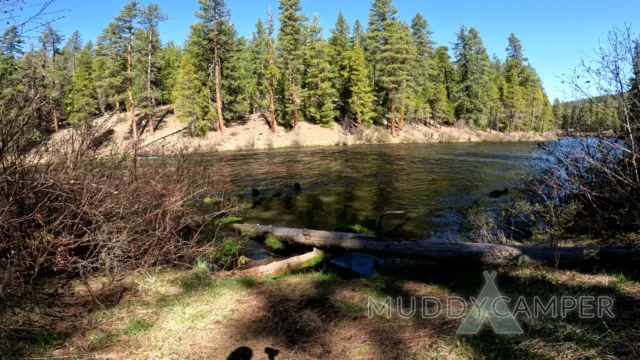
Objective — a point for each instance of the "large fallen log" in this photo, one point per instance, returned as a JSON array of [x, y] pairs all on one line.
[[282, 267], [452, 252]]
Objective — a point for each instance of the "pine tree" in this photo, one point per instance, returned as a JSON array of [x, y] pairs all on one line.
[[50, 40], [126, 27], [148, 43], [11, 42], [514, 50], [339, 47], [216, 43], [272, 74], [81, 104], [513, 98], [170, 57], [191, 98], [319, 93], [291, 48], [74, 46], [362, 99], [422, 69], [472, 82], [109, 68], [357, 33], [258, 47], [238, 82]]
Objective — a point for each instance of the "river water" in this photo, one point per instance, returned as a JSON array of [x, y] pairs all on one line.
[[438, 185]]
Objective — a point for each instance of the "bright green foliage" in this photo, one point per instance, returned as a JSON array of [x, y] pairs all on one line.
[[11, 42], [211, 44], [338, 49], [73, 48], [147, 59], [239, 81], [319, 94], [390, 53], [50, 40], [259, 65], [358, 32], [81, 104], [170, 57], [362, 99], [291, 48], [191, 98], [422, 69], [109, 69], [473, 78]]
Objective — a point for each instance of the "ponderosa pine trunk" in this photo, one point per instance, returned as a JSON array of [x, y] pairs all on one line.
[[218, 98], [272, 108], [149, 95], [294, 101], [393, 116], [134, 126], [402, 106]]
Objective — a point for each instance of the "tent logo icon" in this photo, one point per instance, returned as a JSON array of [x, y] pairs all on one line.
[[491, 306]]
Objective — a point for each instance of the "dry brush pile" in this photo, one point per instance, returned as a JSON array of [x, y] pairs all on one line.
[[78, 214]]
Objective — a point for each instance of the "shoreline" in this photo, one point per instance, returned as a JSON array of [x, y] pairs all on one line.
[[254, 134]]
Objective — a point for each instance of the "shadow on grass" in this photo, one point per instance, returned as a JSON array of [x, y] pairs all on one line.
[[319, 323]]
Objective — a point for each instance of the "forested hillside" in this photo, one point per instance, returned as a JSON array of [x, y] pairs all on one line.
[[386, 71]]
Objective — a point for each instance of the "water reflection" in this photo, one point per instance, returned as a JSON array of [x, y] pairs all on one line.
[[437, 184]]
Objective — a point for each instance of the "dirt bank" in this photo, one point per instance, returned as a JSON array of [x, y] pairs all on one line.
[[255, 134]]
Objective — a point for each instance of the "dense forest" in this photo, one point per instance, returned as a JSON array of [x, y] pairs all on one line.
[[388, 72]]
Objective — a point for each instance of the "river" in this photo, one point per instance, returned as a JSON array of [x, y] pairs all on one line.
[[438, 185]]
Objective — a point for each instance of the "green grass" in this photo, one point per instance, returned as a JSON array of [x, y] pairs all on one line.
[[274, 243], [137, 326], [249, 233], [228, 220], [196, 279]]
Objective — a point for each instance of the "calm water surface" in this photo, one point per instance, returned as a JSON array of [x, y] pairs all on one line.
[[438, 185]]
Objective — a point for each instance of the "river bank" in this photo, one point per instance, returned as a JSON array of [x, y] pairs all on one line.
[[171, 136]]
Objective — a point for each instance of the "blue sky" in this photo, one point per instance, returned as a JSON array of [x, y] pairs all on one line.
[[555, 34]]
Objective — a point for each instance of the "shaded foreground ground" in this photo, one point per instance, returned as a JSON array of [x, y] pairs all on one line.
[[171, 314]]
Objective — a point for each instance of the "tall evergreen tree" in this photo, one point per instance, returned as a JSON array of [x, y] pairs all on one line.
[[217, 41], [339, 47], [291, 47], [170, 57], [319, 94], [81, 104], [472, 82], [126, 27], [191, 98], [149, 45], [361, 95], [11, 42], [50, 41], [74, 46]]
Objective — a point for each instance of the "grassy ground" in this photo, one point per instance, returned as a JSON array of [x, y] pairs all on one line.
[[172, 314]]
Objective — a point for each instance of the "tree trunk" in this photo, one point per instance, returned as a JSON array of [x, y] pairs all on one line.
[[294, 101], [393, 116], [134, 126], [218, 97], [402, 106], [272, 108], [285, 266], [55, 118], [149, 96], [459, 253]]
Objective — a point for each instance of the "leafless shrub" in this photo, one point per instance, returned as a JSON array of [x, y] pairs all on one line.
[[79, 213]]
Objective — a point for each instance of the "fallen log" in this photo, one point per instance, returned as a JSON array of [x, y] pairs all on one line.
[[449, 252], [282, 267]]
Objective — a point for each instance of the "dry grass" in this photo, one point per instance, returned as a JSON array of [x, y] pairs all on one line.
[[170, 314]]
